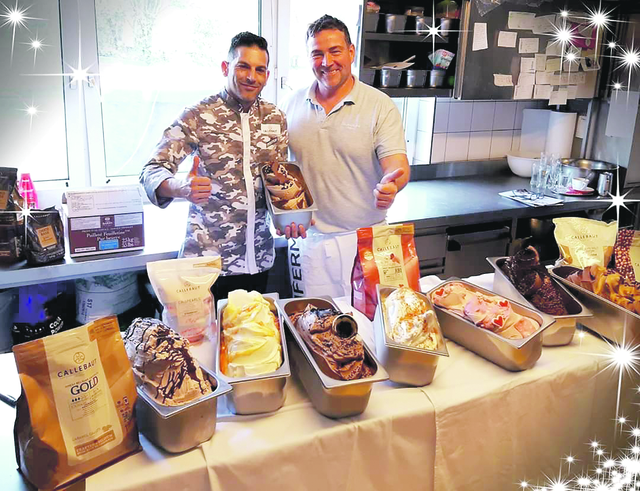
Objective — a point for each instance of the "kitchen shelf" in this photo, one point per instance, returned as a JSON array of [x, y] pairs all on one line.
[[407, 38], [417, 92]]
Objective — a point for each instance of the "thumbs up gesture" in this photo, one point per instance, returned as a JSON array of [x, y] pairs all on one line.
[[199, 186], [386, 190]]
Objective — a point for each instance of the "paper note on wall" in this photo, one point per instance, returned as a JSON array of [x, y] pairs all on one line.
[[553, 65], [526, 79], [529, 45], [623, 111], [553, 49], [542, 78], [521, 20], [507, 39], [553, 79], [581, 127], [578, 78], [542, 92], [544, 24], [479, 36], [541, 63], [558, 97], [572, 90], [501, 80], [527, 65], [523, 92]]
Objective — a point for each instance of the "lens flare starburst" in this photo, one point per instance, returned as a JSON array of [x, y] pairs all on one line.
[[17, 18]]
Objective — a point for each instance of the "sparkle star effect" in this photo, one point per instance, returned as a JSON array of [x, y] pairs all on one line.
[[16, 18], [31, 112], [36, 45]]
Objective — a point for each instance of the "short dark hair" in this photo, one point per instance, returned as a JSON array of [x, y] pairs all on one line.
[[328, 22], [247, 39]]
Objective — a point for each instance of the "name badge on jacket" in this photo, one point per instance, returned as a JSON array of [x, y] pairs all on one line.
[[270, 129]]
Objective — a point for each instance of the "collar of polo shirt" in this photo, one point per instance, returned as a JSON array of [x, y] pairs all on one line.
[[350, 98]]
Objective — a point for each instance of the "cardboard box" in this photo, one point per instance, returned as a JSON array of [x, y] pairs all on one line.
[[104, 219]]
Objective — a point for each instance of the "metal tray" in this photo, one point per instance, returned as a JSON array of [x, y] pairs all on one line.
[[331, 397], [511, 354], [562, 331], [609, 319], [282, 218], [261, 393], [180, 428], [405, 364]]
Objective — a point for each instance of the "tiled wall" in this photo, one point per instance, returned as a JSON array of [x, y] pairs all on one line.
[[471, 130]]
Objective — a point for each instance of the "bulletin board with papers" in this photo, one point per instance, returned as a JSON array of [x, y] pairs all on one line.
[[513, 52]]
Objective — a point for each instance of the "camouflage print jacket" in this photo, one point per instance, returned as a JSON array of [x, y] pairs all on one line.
[[231, 144]]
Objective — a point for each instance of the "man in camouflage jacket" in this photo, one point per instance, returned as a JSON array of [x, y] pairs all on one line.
[[231, 134]]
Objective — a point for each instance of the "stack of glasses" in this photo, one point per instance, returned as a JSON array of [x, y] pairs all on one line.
[[547, 175]]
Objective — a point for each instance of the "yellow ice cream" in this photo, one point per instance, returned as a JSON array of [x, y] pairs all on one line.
[[250, 342]]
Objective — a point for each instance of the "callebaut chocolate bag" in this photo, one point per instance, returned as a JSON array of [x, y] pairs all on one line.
[[627, 254], [76, 411], [584, 242], [386, 256]]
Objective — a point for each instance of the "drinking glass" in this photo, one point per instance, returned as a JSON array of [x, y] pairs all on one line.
[[535, 177], [543, 175]]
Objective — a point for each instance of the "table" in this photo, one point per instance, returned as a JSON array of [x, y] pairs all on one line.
[[475, 427]]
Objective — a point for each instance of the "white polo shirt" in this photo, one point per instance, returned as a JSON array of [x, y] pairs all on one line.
[[340, 152]]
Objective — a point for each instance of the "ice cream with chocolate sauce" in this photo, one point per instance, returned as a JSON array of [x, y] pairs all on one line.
[[534, 283], [250, 340], [489, 312], [410, 320], [162, 363], [331, 338], [287, 193]]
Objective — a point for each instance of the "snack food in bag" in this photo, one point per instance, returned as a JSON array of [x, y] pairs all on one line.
[[11, 220], [584, 242], [386, 256], [183, 286], [45, 236], [76, 411]]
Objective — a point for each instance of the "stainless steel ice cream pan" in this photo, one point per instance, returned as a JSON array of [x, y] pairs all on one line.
[[404, 364], [510, 354], [609, 319], [282, 218], [180, 428], [331, 397], [562, 331], [260, 393]]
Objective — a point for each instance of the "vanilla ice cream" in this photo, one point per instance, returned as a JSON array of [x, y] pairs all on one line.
[[410, 320]]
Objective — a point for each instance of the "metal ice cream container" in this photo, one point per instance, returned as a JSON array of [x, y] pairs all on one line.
[[511, 354], [562, 331], [331, 397], [404, 364], [282, 218], [180, 428], [260, 393], [609, 319]]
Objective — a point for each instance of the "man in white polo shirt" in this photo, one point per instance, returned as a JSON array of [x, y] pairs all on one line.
[[349, 139]]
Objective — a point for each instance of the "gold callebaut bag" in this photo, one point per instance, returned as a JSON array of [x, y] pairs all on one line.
[[584, 242], [76, 411]]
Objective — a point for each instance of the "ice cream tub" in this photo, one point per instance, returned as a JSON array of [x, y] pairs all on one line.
[[609, 319], [180, 428], [261, 393], [283, 217], [330, 396], [511, 354], [405, 364], [562, 331]]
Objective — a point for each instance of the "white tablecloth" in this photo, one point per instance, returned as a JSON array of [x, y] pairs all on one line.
[[475, 427]]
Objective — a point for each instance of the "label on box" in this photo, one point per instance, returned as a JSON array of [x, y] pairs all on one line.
[[46, 237], [106, 233]]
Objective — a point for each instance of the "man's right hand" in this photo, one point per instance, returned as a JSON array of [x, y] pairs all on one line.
[[196, 189], [199, 190]]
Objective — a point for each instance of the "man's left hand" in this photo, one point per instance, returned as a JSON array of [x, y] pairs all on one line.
[[386, 190]]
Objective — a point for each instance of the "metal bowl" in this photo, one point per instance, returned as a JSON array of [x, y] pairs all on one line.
[[586, 169]]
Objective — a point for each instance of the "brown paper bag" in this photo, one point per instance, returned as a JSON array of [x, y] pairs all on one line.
[[76, 411], [584, 242]]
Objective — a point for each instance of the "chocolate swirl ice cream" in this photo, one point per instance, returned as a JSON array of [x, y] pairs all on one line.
[[331, 338], [287, 193], [162, 363]]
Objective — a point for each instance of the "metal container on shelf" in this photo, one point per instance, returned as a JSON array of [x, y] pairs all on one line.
[[180, 428], [368, 75], [511, 354], [371, 21], [609, 319], [390, 77], [446, 25], [331, 397], [562, 331], [281, 218], [404, 364], [395, 23], [587, 169], [416, 78], [423, 24], [261, 393], [436, 77]]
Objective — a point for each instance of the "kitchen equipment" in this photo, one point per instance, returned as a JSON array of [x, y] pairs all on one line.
[[368, 75], [521, 166], [579, 183], [390, 77], [609, 319], [468, 247], [395, 23], [561, 332], [604, 183], [331, 397], [415, 11], [180, 428], [261, 393], [446, 25], [282, 218], [371, 21], [436, 77], [511, 354], [589, 169], [404, 364], [423, 24], [416, 78]]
